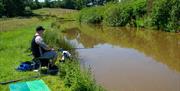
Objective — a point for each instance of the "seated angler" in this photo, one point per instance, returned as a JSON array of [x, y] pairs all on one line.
[[40, 49]]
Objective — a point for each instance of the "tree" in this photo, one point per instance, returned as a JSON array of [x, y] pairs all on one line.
[[29, 3], [27, 11], [14, 7], [112, 0], [47, 3], [36, 5], [79, 4], [70, 4], [1, 8], [10, 8], [165, 15], [149, 6]]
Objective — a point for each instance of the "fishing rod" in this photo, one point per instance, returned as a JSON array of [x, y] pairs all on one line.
[[21, 79], [81, 48], [17, 80]]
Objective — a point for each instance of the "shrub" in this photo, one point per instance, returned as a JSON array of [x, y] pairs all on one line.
[[112, 14], [54, 39], [165, 15], [117, 16], [77, 79], [91, 15], [125, 12]]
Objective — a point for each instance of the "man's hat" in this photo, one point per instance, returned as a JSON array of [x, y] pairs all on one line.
[[40, 28]]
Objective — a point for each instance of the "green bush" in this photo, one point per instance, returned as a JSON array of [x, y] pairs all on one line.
[[54, 39], [165, 15], [91, 15], [125, 12], [112, 14], [174, 21], [117, 16]]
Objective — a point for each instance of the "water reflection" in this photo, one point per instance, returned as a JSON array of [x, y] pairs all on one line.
[[161, 46]]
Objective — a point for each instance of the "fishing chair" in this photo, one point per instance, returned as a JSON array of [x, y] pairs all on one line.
[[39, 61], [42, 61], [46, 62]]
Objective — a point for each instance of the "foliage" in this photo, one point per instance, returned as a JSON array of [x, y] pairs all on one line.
[[13, 8], [36, 5], [76, 78], [1, 8], [47, 3], [79, 4], [118, 14], [54, 39], [165, 14], [91, 15], [70, 4], [125, 12], [27, 11]]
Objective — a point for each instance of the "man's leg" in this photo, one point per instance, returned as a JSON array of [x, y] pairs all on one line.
[[50, 55]]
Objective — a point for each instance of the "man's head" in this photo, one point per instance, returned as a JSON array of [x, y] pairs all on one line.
[[40, 29]]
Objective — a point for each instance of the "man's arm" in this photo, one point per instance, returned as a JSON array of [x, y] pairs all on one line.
[[41, 43]]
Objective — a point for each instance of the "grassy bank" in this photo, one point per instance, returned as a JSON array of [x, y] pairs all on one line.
[[74, 78], [157, 14], [15, 39], [13, 45]]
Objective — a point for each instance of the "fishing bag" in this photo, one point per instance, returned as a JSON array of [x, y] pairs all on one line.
[[26, 66]]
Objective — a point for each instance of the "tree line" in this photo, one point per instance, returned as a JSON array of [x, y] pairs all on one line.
[[11, 8]]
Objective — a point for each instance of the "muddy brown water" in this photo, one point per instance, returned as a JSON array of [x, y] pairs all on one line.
[[127, 59]]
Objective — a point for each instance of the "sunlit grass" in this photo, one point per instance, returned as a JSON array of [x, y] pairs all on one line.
[[59, 13], [13, 45], [14, 23]]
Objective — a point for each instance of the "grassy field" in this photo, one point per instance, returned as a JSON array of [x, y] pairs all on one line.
[[15, 38], [13, 45]]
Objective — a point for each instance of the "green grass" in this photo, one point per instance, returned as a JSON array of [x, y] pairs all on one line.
[[57, 12], [13, 45], [13, 23], [14, 42], [77, 79]]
